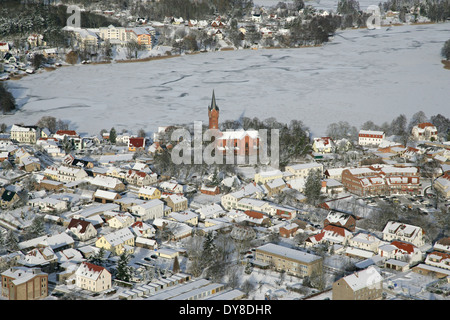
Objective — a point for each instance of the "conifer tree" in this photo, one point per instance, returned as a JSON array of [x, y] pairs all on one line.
[[124, 271]]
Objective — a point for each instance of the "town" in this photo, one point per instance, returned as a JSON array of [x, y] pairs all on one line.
[[110, 217], [127, 35]]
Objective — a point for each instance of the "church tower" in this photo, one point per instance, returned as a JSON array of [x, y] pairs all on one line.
[[213, 114]]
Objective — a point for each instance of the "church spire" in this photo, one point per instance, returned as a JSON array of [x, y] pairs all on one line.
[[213, 105], [213, 113]]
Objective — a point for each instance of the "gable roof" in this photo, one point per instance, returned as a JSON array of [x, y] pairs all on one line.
[[90, 270], [80, 225]]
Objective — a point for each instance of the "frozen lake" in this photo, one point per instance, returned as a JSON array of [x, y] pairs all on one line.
[[360, 75]]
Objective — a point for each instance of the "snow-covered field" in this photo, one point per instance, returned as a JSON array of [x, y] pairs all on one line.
[[360, 75]]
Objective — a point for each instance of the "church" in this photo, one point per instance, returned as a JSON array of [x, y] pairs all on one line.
[[242, 142]]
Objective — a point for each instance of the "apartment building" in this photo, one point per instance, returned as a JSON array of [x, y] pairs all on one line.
[[120, 35], [21, 283], [65, 173], [382, 180], [370, 138], [295, 262]]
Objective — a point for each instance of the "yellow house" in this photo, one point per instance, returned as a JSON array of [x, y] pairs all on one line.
[[117, 242], [323, 145], [149, 193], [264, 177], [121, 220]]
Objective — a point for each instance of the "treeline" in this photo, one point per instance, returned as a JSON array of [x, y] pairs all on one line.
[[315, 31], [435, 10], [19, 19], [400, 127], [158, 10], [7, 101]]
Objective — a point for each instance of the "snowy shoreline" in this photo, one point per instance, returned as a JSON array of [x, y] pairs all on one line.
[[171, 91]]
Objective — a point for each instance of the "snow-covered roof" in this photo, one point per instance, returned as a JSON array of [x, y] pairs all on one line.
[[364, 278], [288, 253]]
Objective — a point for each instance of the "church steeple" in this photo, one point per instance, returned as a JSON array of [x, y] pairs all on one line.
[[213, 113], [213, 103]]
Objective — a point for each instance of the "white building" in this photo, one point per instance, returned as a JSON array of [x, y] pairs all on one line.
[[25, 134], [92, 277], [403, 232], [302, 170], [152, 209], [369, 137]]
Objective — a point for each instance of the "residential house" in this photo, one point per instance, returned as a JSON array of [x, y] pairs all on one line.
[[274, 186], [142, 230], [176, 202], [107, 183], [140, 178], [340, 219], [442, 245], [438, 259], [121, 220], [403, 232], [332, 187], [442, 185], [92, 277], [187, 216], [117, 242], [329, 234], [41, 257], [289, 230], [36, 40], [81, 229], [149, 193], [48, 204], [50, 185], [143, 242], [20, 283], [210, 211], [291, 261], [301, 170], [254, 205], [366, 284], [210, 190], [174, 230], [104, 196], [257, 218], [171, 187], [65, 173], [136, 143], [56, 242], [403, 252], [323, 145], [8, 198], [4, 47], [263, 177], [425, 131], [152, 209], [365, 241]]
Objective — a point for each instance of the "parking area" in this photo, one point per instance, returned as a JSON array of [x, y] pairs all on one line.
[[407, 203]]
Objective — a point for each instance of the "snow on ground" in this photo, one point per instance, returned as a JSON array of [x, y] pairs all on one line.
[[360, 75], [330, 5]]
